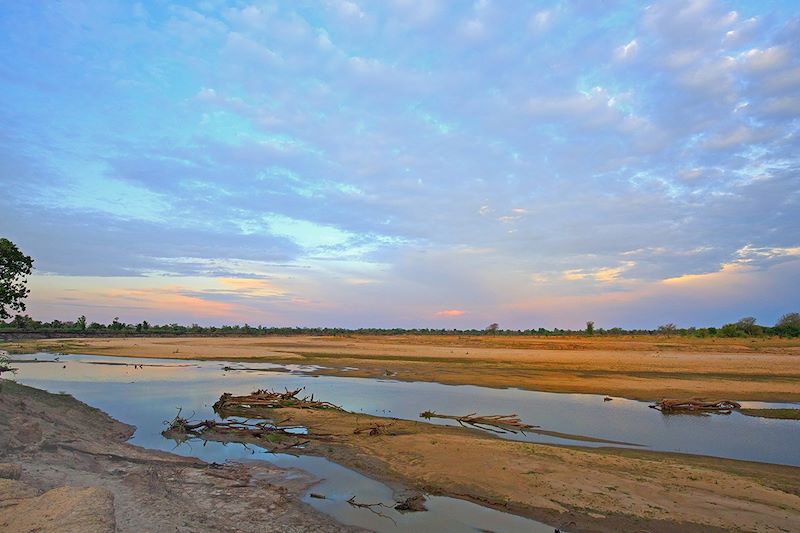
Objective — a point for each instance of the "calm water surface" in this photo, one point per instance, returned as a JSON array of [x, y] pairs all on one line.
[[193, 385]]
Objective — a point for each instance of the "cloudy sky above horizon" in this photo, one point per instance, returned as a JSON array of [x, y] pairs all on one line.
[[404, 163]]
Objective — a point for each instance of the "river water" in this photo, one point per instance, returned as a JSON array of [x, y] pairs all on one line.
[[150, 395]]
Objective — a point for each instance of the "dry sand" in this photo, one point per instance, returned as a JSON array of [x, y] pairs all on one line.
[[645, 368]]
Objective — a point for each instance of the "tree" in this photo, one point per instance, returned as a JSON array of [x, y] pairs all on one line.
[[492, 328], [14, 267], [790, 320], [748, 325], [590, 327], [789, 325], [81, 322], [667, 329]]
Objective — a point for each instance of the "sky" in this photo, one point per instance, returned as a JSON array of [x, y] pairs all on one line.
[[404, 163]]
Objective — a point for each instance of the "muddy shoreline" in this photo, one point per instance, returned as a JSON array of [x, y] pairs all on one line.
[[57, 441]]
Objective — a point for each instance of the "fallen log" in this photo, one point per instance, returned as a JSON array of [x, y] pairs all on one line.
[[268, 399], [695, 405], [262, 433], [493, 423]]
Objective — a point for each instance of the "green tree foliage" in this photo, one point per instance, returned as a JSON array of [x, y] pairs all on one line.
[[745, 327], [788, 325], [14, 267], [590, 327]]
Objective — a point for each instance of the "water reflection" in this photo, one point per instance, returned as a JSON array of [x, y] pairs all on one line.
[[201, 383]]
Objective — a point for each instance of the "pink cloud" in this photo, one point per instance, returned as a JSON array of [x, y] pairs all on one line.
[[449, 312]]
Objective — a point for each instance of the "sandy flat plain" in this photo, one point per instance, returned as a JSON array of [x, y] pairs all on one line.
[[644, 368]]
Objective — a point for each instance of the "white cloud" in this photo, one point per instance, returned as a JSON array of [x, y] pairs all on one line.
[[767, 59], [627, 51]]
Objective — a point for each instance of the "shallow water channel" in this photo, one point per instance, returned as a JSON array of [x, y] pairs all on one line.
[[150, 395]]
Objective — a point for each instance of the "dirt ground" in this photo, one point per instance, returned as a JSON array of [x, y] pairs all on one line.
[[65, 466], [643, 368], [578, 489]]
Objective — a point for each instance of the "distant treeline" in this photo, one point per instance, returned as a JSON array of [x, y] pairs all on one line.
[[787, 326]]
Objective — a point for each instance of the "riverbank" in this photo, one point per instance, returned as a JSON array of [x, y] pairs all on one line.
[[580, 489], [50, 441], [640, 368]]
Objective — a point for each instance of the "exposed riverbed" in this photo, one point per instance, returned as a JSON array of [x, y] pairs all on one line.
[[146, 396]]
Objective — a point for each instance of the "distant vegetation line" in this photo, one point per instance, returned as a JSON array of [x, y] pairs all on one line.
[[15, 266], [787, 326]]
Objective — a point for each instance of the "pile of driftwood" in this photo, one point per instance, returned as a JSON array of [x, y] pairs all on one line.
[[696, 405], [268, 399], [263, 433], [493, 423]]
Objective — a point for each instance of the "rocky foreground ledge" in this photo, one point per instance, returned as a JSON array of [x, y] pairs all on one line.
[[65, 466]]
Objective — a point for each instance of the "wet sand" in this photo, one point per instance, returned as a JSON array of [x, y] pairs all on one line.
[[642, 368], [577, 489]]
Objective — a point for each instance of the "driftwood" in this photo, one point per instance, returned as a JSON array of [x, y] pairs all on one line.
[[267, 399], [493, 423], [263, 433], [373, 430], [372, 507], [696, 405]]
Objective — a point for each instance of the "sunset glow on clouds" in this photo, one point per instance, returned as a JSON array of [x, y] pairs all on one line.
[[404, 163]]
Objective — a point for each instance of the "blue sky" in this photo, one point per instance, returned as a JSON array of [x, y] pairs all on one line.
[[404, 163]]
